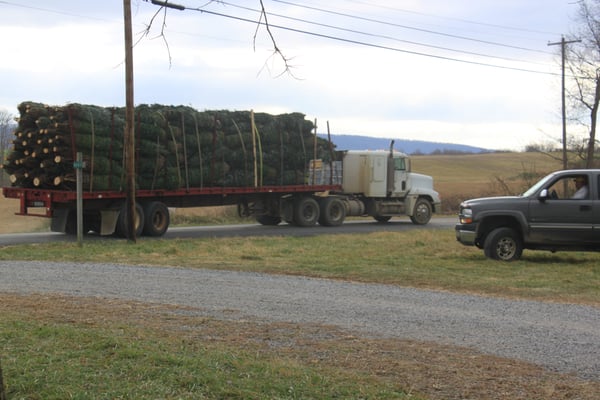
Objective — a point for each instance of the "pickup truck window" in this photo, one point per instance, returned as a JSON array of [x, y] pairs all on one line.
[[569, 188]]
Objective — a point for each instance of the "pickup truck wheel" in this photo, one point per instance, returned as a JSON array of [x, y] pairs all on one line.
[[421, 213], [306, 211], [503, 244], [333, 212], [157, 219]]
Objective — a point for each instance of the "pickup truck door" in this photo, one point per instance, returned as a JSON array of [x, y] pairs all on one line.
[[565, 220], [561, 221]]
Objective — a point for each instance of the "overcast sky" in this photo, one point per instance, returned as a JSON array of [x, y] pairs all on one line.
[[476, 72]]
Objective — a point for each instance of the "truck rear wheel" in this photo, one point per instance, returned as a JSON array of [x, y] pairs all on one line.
[[503, 244], [122, 225], [157, 219], [333, 212], [306, 211], [421, 213]]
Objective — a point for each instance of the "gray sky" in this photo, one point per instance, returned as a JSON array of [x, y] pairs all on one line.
[[464, 71]]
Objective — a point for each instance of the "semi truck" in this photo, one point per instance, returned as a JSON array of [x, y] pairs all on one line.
[[378, 184], [272, 167]]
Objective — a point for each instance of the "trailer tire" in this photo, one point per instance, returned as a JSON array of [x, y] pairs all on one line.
[[122, 225], [156, 219], [306, 211], [422, 212], [332, 212]]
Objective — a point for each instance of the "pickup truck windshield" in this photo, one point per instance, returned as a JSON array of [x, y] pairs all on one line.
[[535, 188]]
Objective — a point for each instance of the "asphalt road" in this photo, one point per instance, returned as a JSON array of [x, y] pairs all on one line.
[[352, 227]]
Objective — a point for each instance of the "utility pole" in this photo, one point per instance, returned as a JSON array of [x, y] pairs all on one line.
[[563, 44], [129, 125]]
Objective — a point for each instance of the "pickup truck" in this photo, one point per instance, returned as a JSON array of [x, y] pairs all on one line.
[[561, 212]]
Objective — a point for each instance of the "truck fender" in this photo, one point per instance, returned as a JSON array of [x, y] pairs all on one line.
[[489, 220]]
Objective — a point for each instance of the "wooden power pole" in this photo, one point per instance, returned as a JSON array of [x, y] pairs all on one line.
[[563, 44], [129, 125]]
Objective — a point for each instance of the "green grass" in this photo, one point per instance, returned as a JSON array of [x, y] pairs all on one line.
[[420, 258], [66, 360]]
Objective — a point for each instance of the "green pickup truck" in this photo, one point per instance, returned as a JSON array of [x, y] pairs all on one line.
[[560, 212]]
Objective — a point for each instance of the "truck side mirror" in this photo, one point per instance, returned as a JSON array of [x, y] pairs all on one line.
[[543, 196]]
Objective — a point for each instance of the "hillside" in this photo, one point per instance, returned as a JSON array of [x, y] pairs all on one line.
[[353, 142]]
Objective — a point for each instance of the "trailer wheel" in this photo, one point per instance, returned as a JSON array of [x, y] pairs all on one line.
[[157, 219], [422, 212], [122, 225], [306, 211], [333, 212]]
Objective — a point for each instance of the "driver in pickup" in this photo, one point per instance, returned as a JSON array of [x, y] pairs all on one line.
[[582, 188]]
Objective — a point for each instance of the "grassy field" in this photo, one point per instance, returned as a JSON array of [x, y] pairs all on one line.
[[55, 347], [460, 177]]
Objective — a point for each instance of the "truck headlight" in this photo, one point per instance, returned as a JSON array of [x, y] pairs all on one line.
[[466, 216]]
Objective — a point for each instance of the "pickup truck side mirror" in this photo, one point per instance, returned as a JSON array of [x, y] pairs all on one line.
[[543, 196]]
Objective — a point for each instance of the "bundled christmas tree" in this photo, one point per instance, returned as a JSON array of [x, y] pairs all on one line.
[[175, 147]]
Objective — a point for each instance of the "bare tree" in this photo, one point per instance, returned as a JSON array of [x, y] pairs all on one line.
[[584, 66], [6, 129]]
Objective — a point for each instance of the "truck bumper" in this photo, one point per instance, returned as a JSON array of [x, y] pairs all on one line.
[[465, 234]]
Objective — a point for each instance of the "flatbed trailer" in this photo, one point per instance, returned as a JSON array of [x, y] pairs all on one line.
[[103, 211]]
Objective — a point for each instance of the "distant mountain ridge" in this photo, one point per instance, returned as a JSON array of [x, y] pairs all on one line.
[[354, 142]]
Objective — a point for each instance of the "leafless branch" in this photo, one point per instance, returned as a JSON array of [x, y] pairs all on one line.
[[146, 32], [276, 51]]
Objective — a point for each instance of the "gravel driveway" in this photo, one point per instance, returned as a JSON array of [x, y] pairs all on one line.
[[563, 338]]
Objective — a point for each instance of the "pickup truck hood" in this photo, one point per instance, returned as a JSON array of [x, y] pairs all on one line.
[[489, 201]]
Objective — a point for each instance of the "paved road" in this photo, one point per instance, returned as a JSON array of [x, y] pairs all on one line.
[[564, 338], [358, 226]]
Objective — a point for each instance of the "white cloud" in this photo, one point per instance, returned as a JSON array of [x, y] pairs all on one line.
[[78, 57]]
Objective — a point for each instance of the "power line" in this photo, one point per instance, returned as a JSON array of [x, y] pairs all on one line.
[[408, 27], [379, 35], [372, 45], [336, 38], [467, 21]]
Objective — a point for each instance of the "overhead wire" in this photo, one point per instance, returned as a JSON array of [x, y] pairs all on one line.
[[408, 27], [462, 20], [375, 35], [203, 9], [366, 44]]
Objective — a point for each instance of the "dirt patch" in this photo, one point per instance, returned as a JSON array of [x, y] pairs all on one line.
[[427, 369]]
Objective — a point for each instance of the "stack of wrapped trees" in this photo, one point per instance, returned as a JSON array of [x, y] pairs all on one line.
[[176, 147]]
